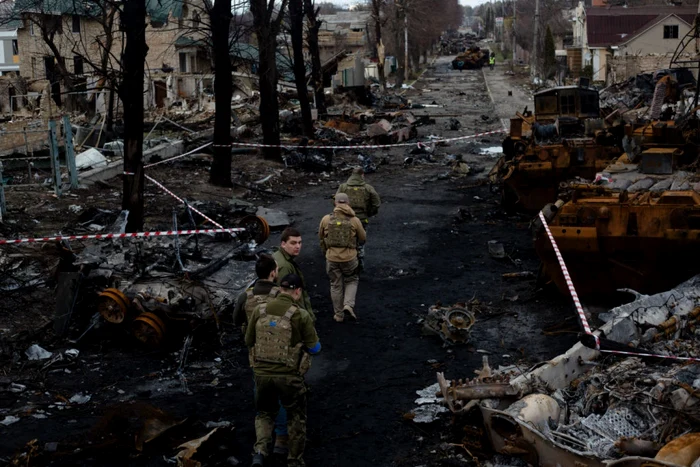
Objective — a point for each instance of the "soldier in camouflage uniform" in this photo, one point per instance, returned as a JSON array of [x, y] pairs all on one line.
[[341, 233], [281, 337], [364, 200], [263, 290]]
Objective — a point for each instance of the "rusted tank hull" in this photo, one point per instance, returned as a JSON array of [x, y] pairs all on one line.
[[600, 266], [608, 243], [532, 180]]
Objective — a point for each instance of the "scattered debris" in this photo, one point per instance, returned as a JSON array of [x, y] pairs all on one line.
[[453, 324], [584, 407], [36, 352]]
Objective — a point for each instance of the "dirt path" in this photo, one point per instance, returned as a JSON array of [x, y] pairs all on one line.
[[419, 252]]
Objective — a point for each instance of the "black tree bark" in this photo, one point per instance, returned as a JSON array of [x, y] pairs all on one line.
[[221, 16], [131, 95], [296, 18], [266, 29], [314, 24]]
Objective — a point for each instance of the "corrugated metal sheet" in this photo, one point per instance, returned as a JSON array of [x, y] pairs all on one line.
[[615, 25]]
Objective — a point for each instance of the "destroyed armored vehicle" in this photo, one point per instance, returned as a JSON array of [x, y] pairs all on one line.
[[637, 226], [593, 408], [565, 138], [473, 58]]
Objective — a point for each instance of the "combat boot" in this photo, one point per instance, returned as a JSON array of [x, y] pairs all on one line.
[[258, 460], [281, 444], [350, 311]]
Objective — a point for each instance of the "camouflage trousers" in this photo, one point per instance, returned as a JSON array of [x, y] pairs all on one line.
[[270, 392]]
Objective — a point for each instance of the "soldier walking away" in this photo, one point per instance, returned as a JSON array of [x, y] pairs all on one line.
[[340, 234], [263, 290], [285, 256], [281, 338], [364, 200]]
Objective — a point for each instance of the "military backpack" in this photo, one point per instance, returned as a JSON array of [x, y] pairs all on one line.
[[339, 234], [253, 300], [358, 197], [273, 339]]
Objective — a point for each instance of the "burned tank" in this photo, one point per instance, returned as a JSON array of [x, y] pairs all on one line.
[[564, 138], [473, 58], [637, 228]]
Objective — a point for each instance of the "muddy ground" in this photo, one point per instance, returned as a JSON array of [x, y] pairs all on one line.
[[428, 244]]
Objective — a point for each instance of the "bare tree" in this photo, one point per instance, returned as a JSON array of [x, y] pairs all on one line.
[[220, 19], [267, 21], [314, 25], [296, 19], [133, 23]]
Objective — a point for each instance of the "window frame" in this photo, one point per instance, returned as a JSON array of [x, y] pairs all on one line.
[[671, 31], [75, 20]]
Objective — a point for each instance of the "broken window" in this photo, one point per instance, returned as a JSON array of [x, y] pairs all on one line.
[[183, 62], [77, 65], [589, 103], [195, 20], [568, 104], [181, 19], [546, 105], [76, 23], [15, 47], [671, 32], [53, 24], [31, 28]]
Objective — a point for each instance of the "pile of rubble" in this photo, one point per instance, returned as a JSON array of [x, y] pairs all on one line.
[[664, 94], [586, 407]]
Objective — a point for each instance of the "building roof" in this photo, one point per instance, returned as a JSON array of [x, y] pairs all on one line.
[[608, 26], [157, 10]]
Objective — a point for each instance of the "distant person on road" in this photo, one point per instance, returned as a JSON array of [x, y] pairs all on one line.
[[281, 338], [364, 200], [492, 61], [285, 255], [340, 233]]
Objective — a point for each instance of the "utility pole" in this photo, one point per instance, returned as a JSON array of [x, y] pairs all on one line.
[[535, 42], [515, 9], [405, 41]]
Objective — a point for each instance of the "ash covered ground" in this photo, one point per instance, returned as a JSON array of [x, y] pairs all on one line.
[[429, 244]]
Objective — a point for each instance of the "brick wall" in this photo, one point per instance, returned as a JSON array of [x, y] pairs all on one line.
[[160, 41], [624, 67]]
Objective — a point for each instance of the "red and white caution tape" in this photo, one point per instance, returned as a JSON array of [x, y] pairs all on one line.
[[579, 308], [365, 146], [160, 185], [157, 233], [569, 282]]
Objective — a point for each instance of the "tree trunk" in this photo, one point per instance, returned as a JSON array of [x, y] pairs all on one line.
[[109, 121], [131, 94], [269, 107], [376, 14], [316, 73], [296, 18], [400, 58], [221, 15]]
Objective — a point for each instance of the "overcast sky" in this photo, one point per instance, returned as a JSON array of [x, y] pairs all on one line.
[[347, 3]]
